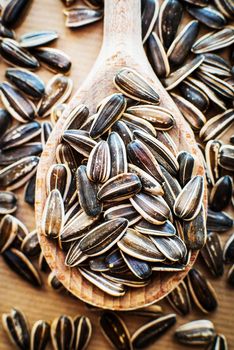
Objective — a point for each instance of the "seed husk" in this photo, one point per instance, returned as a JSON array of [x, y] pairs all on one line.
[[26, 81], [218, 221], [221, 193], [219, 343], [139, 246], [212, 254], [30, 245], [118, 155], [123, 130], [20, 264], [15, 154], [46, 129], [53, 59], [148, 18], [179, 299], [199, 332], [115, 262], [125, 211], [163, 155], [115, 331], [183, 72], [8, 202], [141, 269], [151, 331], [170, 15], [53, 282], [186, 167], [226, 157], [62, 332], [59, 177], [74, 255], [217, 62], [40, 335], [141, 156], [189, 201], [171, 188], [99, 163], [19, 135], [77, 116], [211, 154], [8, 232], [80, 141], [17, 329], [29, 191], [147, 228], [98, 264], [230, 277], [195, 95], [158, 56], [5, 121], [167, 140], [6, 32], [13, 12], [57, 91], [201, 291], [214, 40], [133, 85], [17, 174], [57, 112], [83, 332], [226, 7], [136, 123], [78, 17], [172, 247], [53, 215], [208, 15], [181, 45], [222, 87], [20, 108], [17, 56], [128, 280], [191, 113], [228, 250], [161, 118], [39, 38], [103, 237], [194, 231], [107, 286]]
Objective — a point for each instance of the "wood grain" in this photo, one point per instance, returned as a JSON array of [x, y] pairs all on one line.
[[83, 46]]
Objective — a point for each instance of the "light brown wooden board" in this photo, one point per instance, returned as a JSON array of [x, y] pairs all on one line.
[[83, 46]]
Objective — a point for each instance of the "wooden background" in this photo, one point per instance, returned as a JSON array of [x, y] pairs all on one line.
[[83, 46]]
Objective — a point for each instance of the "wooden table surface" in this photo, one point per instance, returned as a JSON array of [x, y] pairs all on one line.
[[83, 46]]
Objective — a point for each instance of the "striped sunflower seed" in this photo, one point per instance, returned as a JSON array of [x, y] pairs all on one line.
[[208, 15], [158, 56], [141, 269], [186, 167], [59, 177], [212, 254], [226, 157], [40, 335], [199, 332], [219, 343], [17, 329], [152, 330], [201, 291], [136, 123], [62, 332], [8, 202], [76, 117], [53, 215], [133, 85], [80, 141], [21, 265], [195, 95], [171, 188], [179, 299], [226, 7], [20, 108], [118, 155], [218, 62], [218, 221], [115, 262], [149, 16], [29, 191], [189, 201], [30, 245], [8, 232], [194, 231], [53, 59], [115, 330], [46, 129], [57, 112], [221, 193], [78, 17], [123, 131], [228, 250], [147, 228], [166, 139], [83, 332], [172, 247], [125, 211], [211, 154], [53, 282], [139, 246], [181, 45], [26, 81], [5, 121], [57, 90], [127, 280], [39, 38], [13, 11], [17, 174], [99, 163]]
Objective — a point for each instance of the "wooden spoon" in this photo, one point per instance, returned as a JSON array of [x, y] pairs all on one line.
[[122, 46]]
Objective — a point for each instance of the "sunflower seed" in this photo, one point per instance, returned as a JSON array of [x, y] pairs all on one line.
[[171, 188], [8, 202], [98, 264], [103, 237], [133, 85], [123, 131], [22, 232], [158, 56], [40, 38], [221, 193], [195, 95], [218, 221], [18, 173], [115, 262], [167, 140], [179, 299], [107, 286], [8, 232], [199, 332], [15, 154], [151, 331], [147, 228], [217, 84], [15, 55], [194, 231], [74, 255], [139, 246], [214, 40], [230, 277], [127, 280], [21, 108], [189, 201], [57, 112], [153, 311], [172, 247], [40, 335], [30, 245], [161, 118], [80, 141], [53, 215], [228, 250], [19, 135], [183, 72], [170, 15], [136, 123], [149, 17], [118, 156], [99, 163], [77, 116], [181, 45], [5, 121], [54, 283], [202, 292], [219, 343], [226, 157], [208, 16], [17, 329], [29, 191], [6, 32], [53, 59], [46, 129], [26, 81], [226, 7], [57, 91], [212, 254], [125, 211], [141, 269], [20, 264], [78, 17], [187, 166], [62, 332], [211, 153], [13, 12], [83, 332], [59, 177], [163, 155]]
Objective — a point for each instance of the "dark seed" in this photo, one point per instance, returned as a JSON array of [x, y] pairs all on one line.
[[208, 16], [79, 17], [179, 299], [212, 254], [53, 59], [29, 192], [40, 335], [221, 193], [228, 250], [62, 332], [13, 12], [5, 121], [8, 202], [218, 221], [83, 332]]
